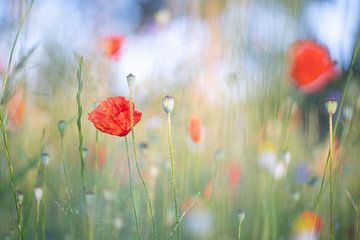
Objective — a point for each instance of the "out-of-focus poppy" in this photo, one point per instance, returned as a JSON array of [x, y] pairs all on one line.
[[16, 106], [112, 116], [308, 221], [112, 45], [208, 190], [311, 66], [101, 156], [234, 173], [195, 129]]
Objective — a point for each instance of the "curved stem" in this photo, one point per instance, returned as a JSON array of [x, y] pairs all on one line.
[[173, 175], [130, 188]]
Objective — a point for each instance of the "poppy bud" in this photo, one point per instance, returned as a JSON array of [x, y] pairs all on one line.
[[90, 198], [85, 152], [45, 159], [61, 126], [331, 105], [108, 195], [118, 223], [20, 196], [168, 103], [240, 215], [131, 80], [38, 193]]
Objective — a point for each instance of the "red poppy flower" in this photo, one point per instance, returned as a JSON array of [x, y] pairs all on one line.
[[195, 129], [16, 108], [112, 116], [112, 45], [311, 66]]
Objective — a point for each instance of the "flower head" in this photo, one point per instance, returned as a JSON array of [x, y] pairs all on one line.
[[61, 127], [195, 129], [131, 78], [45, 158], [38, 193], [311, 66], [112, 45], [305, 222], [112, 116], [20, 196], [168, 103], [240, 215], [331, 105]]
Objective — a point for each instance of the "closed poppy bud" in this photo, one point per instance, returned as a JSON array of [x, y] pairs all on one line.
[[45, 158], [38, 193], [20, 196], [240, 215], [85, 152], [61, 127], [90, 198], [168, 103], [131, 80], [331, 106]]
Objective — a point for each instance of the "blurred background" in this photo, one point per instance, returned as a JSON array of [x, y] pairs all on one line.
[[245, 134]]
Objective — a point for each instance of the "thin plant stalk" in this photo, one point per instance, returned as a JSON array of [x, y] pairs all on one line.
[[239, 231], [79, 108], [330, 177], [173, 176], [131, 188], [11, 173], [2, 125], [348, 78], [96, 158], [137, 164], [37, 219]]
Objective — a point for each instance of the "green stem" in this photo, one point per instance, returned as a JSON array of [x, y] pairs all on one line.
[[96, 158], [173, 176], [79, 108], [239, 231], [13, 186], [37, 218], [348, 78], [131, 188], [137, 164], [331, 183]]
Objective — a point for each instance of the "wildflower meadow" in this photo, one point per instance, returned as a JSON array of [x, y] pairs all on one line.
[[152, 119]]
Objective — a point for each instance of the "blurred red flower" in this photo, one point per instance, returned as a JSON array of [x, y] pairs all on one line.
[[112, 45], [306, 222], [112, 116], [234, 173], [195, 129], [311, 66], [16, 108], [208, 190], [101, 156]]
